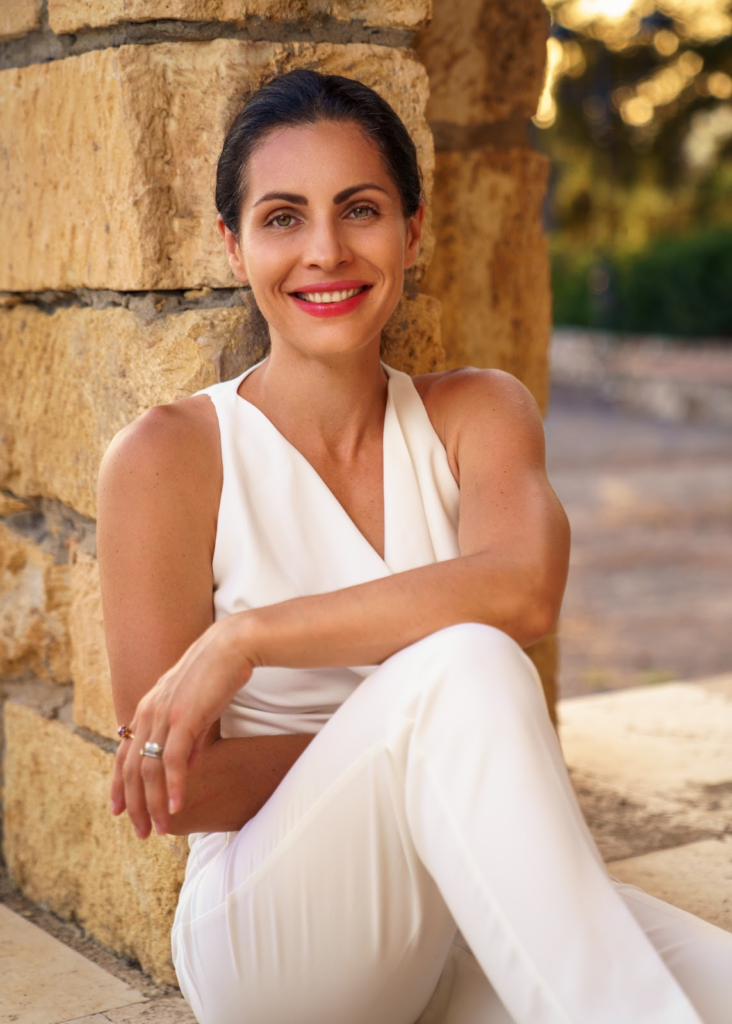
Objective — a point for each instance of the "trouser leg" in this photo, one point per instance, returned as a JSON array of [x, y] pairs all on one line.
[[697, 953], [436, 794]]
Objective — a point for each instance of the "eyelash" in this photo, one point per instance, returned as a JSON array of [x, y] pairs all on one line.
[[281, 227]]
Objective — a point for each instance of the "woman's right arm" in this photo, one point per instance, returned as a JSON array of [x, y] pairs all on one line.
[[159, 490]]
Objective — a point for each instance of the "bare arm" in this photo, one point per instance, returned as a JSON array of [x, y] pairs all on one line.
[[158, 495], [514, 538]]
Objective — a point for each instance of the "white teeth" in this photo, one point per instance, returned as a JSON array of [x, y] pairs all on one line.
[[329, 296]]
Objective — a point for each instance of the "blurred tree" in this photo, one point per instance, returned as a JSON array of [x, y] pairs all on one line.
[[636, 115]]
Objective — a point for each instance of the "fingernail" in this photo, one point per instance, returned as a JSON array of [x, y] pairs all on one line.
[[139, 832], [159, 828], [173, 806], [114, 807]]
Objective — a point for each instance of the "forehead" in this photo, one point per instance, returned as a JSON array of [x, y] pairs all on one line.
[[328, 156]]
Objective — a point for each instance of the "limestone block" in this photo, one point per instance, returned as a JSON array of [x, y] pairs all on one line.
[[109, 157], [93, 706], [75, 378], [487, 63], [412, 340], [109, 365], [94, 870], [17, 17], [34, 608], [72, 15], [491, 267]]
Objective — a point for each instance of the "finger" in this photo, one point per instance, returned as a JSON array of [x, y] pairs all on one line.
[[134, 787], [178, 747], [153, 779], [117, 791]]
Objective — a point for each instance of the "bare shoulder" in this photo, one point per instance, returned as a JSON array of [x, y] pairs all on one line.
[[467, 402], [171, 455]]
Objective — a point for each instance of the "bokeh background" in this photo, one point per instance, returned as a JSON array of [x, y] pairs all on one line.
[[636, 117]]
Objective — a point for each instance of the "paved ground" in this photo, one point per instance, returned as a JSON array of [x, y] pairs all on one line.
[[649, 597]]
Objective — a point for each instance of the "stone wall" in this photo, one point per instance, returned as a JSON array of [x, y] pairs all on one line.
[[490, 269], [115, 295]]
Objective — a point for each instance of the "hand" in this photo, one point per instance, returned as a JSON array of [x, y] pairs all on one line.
[[177, 713]]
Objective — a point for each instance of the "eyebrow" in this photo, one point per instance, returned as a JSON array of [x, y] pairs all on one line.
[[341, 197]]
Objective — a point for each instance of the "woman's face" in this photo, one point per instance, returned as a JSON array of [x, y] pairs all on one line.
[[321, 218]]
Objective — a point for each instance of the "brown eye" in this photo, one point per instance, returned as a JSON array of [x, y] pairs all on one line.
[[280, 217], [362, 212]]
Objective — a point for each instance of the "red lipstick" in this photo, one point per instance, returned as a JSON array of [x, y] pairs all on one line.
[[330, 308]]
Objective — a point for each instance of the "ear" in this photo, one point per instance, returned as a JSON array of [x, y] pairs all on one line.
[[233, 252], [413, 240]]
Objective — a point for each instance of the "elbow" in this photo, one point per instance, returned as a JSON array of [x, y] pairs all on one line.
[[537, 617]]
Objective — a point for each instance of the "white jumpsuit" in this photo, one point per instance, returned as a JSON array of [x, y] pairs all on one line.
[[425, 859]]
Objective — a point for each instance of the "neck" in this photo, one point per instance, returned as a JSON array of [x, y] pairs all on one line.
[[334, 403]]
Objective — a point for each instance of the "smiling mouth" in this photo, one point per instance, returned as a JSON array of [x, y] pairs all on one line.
[[326, 297]]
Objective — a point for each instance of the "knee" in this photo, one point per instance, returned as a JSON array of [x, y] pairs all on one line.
[[472, 650], [473, 642]]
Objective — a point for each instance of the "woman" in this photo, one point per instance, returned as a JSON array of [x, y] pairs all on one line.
[[323, 510]]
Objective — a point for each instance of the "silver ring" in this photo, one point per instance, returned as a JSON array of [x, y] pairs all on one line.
[[151, 749]]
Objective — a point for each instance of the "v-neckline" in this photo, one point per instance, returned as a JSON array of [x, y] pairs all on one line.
[[311, 468]]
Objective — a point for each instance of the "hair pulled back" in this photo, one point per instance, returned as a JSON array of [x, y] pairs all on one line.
[[304, 97]]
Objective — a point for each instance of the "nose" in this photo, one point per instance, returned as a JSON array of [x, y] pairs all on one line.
[[327, 245]]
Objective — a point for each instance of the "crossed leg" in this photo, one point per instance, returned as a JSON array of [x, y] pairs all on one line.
[[435, 798]]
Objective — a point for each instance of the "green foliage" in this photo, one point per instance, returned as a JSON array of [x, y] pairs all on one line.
[[679, 286]]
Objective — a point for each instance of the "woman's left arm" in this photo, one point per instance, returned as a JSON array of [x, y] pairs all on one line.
[[511, 574]]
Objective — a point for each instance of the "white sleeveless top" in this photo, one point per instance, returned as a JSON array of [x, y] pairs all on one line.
[[282, 533]]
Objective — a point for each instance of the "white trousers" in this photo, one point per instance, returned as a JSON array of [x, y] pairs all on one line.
[[425, 860]]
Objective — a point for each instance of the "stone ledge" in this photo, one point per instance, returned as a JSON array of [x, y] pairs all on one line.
[[663, 377], [651, 765], [696, 877], [130, 138], [96, 872]]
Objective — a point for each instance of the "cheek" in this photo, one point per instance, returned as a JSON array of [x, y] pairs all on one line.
[[267, 262]]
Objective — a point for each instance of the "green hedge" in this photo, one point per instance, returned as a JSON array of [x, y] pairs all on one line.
[[678, 286]]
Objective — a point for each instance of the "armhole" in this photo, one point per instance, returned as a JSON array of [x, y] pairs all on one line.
[[220, 421]]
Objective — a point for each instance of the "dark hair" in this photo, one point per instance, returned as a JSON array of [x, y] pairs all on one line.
[[304, 97]]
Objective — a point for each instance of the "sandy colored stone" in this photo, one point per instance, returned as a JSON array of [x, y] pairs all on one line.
[[45, 982], [11, 506], [491, 269], [412, 340], [173, 1010], [34, 608], [109, 157], [93, 705], [486, 64], [121, 890], [696, 877], [77, 377], [665, 748], [18, 17], [72, 15]]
